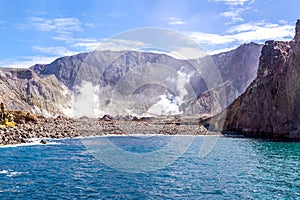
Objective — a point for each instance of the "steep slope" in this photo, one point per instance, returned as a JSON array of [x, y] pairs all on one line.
[[22, 89], [270, 106], [238, 69]]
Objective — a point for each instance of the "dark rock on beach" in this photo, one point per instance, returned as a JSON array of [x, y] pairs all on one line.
[[43, 142]]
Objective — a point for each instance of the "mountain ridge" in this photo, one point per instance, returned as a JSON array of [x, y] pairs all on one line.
[[59, 77]]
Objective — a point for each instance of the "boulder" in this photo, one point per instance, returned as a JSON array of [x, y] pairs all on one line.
[[107, 118], [21, 116], [43, 142]]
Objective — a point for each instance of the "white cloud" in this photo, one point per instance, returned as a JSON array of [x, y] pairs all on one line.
[[56, 51], [187, 53], [70, 40], [247, 32], [208, 38], [261, 31], [26, 62], [234, 15], [87, 45], [175, 21], [53, 52], [60, 25], [110, 44], [221, 50], [282, 21], [235, 2], [90, 44], [91, 25], [83, 44], [235, 10]]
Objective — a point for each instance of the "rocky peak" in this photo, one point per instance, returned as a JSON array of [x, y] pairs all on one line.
[[270, 106], [297, 31], [273, 55], [17, 73], [25, 74]]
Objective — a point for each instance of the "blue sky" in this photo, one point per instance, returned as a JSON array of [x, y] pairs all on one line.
[[38, 31]]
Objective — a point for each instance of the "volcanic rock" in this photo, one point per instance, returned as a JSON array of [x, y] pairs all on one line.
[[107, 118], [23, 89], [270, 106]]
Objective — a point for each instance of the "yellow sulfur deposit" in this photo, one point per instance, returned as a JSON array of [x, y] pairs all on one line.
[[6, 118], [7, 123]]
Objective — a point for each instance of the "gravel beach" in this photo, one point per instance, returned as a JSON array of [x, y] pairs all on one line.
[[62, 127]]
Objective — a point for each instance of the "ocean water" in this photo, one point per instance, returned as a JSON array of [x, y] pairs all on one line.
[[236, 168]]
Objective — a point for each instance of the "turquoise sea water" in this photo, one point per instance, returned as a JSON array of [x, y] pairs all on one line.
[[236, 168]]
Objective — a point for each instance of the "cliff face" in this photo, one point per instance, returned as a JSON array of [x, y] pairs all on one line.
[[270, 107], [238, 69], [22, 89], [64, 69]]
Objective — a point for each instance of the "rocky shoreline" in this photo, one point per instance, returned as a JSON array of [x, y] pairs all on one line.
[[62, 127]]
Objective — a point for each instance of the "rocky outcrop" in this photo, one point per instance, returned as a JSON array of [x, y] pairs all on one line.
[[270, 107], [107, 118], [64, 69], [297, 31], [22, 89], [22, 117]]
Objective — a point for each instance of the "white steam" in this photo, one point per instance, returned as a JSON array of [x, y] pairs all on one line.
[[95, 101], [170, 104], [85, 101], [165, 106]]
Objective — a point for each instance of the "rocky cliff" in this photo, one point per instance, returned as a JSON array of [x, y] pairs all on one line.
[[22, 89], [270, 106]]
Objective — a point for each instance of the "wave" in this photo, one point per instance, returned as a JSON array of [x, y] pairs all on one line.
[[33, 142], [11, 173], [147, 135], [51, 141]]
